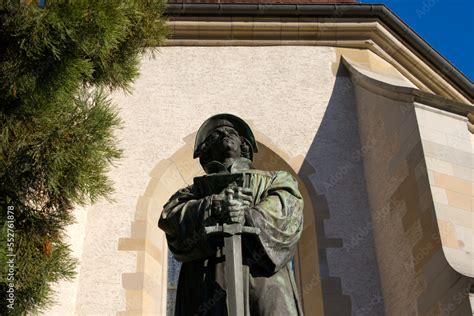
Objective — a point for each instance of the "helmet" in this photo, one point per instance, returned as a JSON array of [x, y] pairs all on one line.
[[224, 120]]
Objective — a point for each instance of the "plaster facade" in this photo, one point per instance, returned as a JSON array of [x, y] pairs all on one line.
[[415, 275], [449, 154], [187, 85], [361, 158]]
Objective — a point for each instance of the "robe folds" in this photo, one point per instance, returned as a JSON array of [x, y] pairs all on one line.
[[269, 283]]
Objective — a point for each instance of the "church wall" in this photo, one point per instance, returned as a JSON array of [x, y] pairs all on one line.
[[449, 151], [67, 290], [349, 268], [376, 168], [296, 98], [415, 275], [449, 154]]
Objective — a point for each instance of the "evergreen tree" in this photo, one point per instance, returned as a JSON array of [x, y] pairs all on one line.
[[58, 61]]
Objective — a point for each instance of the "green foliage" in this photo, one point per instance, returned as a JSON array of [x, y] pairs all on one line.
[[57, 65]]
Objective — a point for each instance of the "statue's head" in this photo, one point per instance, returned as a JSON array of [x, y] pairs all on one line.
[[224, 136]]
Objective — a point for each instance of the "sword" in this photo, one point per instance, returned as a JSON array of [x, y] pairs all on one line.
[[233, 260]]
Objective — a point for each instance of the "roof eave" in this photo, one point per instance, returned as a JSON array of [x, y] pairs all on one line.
[[337, 12]]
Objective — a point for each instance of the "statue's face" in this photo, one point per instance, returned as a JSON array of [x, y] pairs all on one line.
[[224, 142]]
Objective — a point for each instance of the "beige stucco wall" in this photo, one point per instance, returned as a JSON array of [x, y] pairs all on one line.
[[449, 152], [362, 161], [284, 91], [67, 291], [415, 275]]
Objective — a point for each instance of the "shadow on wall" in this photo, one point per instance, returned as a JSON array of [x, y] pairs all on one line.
[[348, 267]]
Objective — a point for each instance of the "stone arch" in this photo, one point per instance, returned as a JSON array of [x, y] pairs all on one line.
[[145, 289]]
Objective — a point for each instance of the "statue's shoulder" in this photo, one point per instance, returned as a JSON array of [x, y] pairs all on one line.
[[186, 191], [284, 175]]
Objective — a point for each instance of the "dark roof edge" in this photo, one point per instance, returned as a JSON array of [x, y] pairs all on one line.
[[380, 11]]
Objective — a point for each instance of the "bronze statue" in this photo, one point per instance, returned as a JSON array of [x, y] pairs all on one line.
[[235, 229]]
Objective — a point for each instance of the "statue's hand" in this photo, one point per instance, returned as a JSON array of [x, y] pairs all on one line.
[[219, 203], [233, 212], [230, 205], [244, 195]]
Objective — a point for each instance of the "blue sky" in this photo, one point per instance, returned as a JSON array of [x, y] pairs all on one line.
[[447, 25]]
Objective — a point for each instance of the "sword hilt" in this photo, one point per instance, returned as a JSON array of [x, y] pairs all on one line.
[[231, 229]]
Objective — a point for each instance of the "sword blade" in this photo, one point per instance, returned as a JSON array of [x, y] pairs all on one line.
[[234, 275]]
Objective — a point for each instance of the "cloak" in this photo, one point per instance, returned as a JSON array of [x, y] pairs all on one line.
[[270, 288]]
